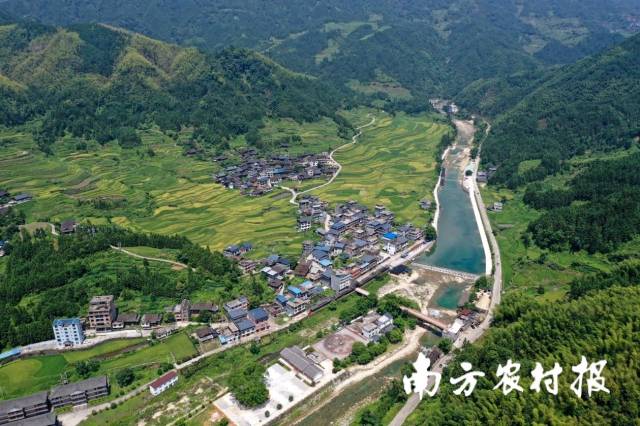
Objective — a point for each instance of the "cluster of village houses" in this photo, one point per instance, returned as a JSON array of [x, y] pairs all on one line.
[[256, 176], [355, 242], [352, 242]]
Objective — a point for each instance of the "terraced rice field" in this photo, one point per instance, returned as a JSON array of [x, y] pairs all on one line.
[[169, 193], [392, 164]]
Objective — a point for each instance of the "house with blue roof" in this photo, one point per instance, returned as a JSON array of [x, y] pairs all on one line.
[[325, 263], [245, 327], [232, 250], [281, 300], [260, 319], [296, 292], [272, 259], [236, 314], [10, 354], [392, 243], [338, 226]]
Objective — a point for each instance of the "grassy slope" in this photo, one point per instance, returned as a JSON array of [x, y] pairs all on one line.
[[30, 375], [110, 265], [393, 164]]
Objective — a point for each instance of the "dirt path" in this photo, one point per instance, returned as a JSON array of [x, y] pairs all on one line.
[[354, 140], [154, 259]]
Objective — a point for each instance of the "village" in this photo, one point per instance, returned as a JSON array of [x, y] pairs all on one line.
[[348, 245], [256, 176]]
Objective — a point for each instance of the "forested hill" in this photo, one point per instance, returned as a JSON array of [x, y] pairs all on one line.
[[591, 105], [429, 47], [599, 321], [101, 83]]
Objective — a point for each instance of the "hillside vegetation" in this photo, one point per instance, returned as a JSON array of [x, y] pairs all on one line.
[[599, 322], [591, 105], [102, 83], [432, 47]]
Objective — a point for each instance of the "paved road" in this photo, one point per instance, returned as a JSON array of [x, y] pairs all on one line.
[[354, 139], [81, 413], [470, 334]]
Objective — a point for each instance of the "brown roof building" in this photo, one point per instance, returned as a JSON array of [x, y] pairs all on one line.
[[102, 312]]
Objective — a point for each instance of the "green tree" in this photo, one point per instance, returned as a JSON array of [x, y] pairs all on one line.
[[445, 345], [247, 385], [125, 377], [430, 232]]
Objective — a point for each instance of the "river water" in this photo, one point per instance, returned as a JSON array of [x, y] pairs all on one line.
[[459, 245]]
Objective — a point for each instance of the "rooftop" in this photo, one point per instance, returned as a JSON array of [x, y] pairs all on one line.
[[204, 332], [25, 401], [47, 419], [237, 313], [151, 318], [258, 314], [244, 325], [81, 386], [64, 322], [162, 380], [128, 317], [299, 360]]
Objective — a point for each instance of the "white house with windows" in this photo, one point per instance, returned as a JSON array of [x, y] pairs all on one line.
[[163, 383], [68, 332]]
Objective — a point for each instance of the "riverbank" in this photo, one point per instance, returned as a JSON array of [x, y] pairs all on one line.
[[461, 244], [466, 130]]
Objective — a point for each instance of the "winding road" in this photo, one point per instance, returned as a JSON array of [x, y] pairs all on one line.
[[354, 139]]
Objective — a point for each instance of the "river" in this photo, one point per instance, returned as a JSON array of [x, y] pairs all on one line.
[[459, 245]]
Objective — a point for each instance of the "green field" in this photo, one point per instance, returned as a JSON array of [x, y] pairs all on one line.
[[166, 193], [316, 137], [527, 268], [29, 375], [392, 164], [169, 193]]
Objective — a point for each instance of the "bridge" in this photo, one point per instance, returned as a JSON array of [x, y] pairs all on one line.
[[453, 272], [424, 318]]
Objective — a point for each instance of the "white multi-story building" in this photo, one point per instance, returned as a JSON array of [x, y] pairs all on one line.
[[68, 331], [340, 281]]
